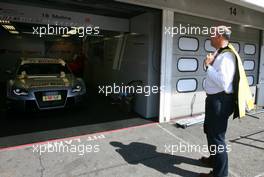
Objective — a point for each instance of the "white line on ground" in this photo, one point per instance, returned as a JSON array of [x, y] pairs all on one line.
[[188, 143], [260, 175]]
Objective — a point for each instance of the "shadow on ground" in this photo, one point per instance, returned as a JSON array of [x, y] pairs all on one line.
[[141, 153]]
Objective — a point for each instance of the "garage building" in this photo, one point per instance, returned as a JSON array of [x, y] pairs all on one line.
[[133, 45]]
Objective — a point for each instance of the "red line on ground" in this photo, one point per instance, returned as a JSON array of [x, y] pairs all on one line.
[[12, 148]]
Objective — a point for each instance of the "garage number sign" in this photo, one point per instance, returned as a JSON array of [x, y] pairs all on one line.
[[233, 11]]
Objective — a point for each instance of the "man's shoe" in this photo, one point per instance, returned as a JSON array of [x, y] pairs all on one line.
[[206, 174], [208, 161]]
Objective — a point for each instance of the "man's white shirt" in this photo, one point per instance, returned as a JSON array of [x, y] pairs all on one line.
[[220, 75]]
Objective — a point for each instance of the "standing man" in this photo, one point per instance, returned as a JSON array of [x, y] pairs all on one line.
[[218, 85]]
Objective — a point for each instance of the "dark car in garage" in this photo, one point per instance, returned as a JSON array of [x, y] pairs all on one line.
[[44, 84]]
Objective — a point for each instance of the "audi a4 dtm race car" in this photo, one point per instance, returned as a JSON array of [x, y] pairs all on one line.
[[43, 83]]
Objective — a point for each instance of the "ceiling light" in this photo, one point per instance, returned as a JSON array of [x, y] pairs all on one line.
[[26, 32], [9, 27], [96, 35], [4, 21], [72, 32], [247, 26], [51, 34], [14, 32], [119, 36], [133, 33], [65, 35]]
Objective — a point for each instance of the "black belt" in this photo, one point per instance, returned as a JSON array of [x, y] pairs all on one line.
[[219, 94]]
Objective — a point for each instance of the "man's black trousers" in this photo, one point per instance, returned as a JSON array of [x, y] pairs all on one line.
[[218, 108]]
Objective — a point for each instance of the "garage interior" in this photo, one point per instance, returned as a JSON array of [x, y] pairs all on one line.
[[118, 55]]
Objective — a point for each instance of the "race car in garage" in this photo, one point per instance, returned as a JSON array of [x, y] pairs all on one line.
[[43, 83]]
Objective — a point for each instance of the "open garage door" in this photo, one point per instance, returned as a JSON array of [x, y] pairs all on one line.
[[189, 51], [123, 50]]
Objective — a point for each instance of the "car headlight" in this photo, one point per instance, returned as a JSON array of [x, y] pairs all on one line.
[[20, 91], [77, 88]]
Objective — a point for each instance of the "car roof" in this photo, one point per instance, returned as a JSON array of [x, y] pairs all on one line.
[[42, 61]]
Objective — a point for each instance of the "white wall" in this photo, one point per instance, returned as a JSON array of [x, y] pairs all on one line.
[[140, 61], [211, 9], [260, 91], [190, 103], [149, 25]]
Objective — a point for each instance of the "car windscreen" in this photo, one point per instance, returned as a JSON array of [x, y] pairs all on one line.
[[43, 69]]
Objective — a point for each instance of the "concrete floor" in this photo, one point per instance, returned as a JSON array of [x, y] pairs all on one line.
[[138, 152]]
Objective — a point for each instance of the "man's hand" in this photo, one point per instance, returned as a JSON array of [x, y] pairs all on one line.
[[209, 59]]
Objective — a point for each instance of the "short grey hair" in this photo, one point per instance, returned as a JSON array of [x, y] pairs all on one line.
[[224, 31]]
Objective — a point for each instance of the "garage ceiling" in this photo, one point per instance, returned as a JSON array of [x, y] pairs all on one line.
[[99, 7]]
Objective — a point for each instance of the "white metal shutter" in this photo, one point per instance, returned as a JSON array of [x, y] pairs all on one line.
[[189, 51]]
